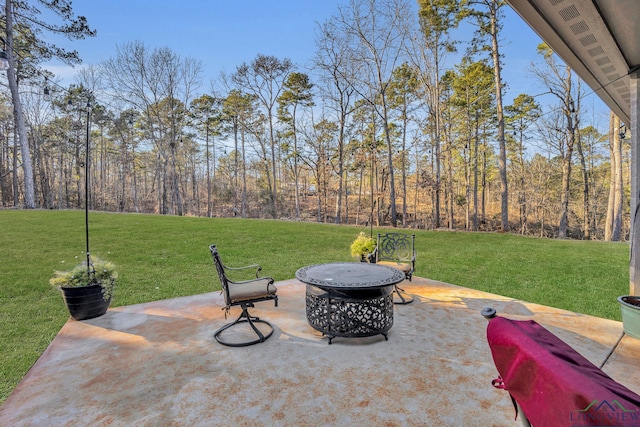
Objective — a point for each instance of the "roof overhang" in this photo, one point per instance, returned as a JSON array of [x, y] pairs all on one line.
[[598, 39]]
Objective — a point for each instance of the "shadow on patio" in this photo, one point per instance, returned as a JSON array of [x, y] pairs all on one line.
[[158, 364]]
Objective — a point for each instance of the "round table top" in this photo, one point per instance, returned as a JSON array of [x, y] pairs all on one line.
[[349, 275]]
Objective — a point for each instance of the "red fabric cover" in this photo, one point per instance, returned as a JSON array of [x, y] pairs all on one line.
[[554, 384]]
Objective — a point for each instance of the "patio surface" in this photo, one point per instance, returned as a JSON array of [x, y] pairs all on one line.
[[157, 364]]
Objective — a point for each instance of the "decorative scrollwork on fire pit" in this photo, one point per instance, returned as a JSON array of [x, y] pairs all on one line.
[[348, 299], [362, 316]]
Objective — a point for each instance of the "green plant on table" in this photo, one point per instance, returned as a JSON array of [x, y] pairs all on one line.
[[99, 272]]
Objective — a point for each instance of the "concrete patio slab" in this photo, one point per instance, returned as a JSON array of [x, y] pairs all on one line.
[[157, 364]]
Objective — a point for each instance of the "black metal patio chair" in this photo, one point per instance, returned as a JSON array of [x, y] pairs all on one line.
[[243, 293], [398, 250]]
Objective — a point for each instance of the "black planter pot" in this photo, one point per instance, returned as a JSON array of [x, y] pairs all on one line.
[[368, 258], [85, 302]]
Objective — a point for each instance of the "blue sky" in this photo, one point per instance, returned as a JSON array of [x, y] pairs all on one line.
[[223, 34]]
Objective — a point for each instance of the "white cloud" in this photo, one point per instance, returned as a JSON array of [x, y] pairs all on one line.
[[64, 74]]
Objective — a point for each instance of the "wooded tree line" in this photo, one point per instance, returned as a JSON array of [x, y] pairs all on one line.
[[382, 130]]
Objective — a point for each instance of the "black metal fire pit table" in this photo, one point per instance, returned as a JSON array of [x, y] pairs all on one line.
[[350, 299]]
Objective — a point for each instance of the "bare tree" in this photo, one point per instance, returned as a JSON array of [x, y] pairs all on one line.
[[404, 93], [264, 78], [377, 28], [427, 52], [296, 95], [7, 188], [488, 19], [238, 110], [28, 16], [613, 222], [160, 84], [472, 84], [317, 155], [206, 116], [336, 71], [560, 83], [520, 117]]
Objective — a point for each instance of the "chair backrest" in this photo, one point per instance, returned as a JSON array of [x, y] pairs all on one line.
[[396, 247], [221, 273]]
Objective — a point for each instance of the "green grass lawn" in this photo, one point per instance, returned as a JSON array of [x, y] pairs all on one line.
[[161, 257]]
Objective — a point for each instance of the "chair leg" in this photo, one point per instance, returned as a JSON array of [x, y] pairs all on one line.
[[251, 320], [405, 298]]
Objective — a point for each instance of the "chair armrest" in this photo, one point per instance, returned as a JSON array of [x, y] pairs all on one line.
[[257, 279], [256, 290], [256, 266]]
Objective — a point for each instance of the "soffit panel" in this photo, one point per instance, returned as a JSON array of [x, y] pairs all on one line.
[[594, 37]]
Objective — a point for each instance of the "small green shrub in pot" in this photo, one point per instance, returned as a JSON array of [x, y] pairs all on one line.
[[100, 272], [362, 246]]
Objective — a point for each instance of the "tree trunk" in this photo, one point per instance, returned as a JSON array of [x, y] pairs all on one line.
[[274, 190], [176, 197], [467, 185], [616, 234], [451, 210], [296, 168], [522, 196], [208, 161], [404, 164], [475, 174], [570, 113], [613, 222], [495, 54], [586, 229], [566, 179], [437, 145], [134, 179], [338, 210], [244, 175], [564, 199], [21, 127], [392, 185]]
